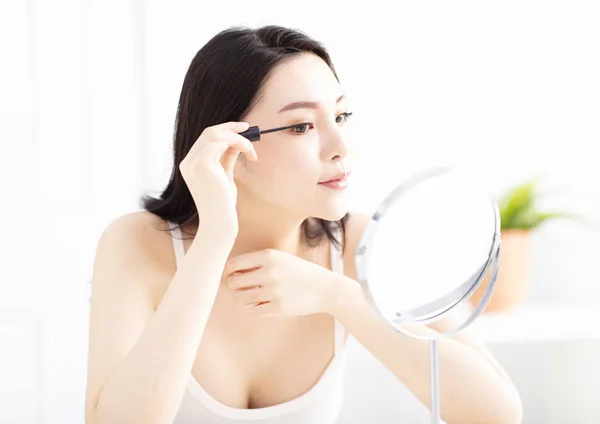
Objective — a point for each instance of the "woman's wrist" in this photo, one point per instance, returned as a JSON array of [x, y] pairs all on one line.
[[343, 294], [217, 236]]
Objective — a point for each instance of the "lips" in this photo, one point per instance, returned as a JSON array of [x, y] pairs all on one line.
[[337, 177]]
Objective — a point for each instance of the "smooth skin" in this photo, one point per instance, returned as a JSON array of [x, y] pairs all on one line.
[[250, 310]]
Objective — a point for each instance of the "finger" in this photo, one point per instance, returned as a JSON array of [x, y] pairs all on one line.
[[228, 160], [252, 297], [227, 140], [249, 261], [264, 310], [243, 263], [245, 280], [236, 126], [230, 157], [215, 141], [211, 132]]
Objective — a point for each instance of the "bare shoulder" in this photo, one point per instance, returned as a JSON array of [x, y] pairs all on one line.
[[134, 227], [141, 236], [355, 227], [131, 267], [137, 244]]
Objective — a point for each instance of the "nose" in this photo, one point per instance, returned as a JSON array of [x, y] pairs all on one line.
[[335, 148]]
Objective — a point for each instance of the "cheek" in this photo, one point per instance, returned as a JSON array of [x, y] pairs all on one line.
[[294, 165], [279, 168]]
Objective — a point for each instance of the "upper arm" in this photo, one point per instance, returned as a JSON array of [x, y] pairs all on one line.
[[122, 300]]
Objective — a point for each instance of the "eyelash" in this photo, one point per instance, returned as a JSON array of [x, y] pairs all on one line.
[[346, 115]]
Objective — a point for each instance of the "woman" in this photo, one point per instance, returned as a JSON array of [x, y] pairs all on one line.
[[245, 319]]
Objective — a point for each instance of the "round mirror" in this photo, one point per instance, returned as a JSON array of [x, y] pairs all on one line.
[[429, 245]]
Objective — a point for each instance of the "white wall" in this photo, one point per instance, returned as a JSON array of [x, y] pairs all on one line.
[[89, 91]]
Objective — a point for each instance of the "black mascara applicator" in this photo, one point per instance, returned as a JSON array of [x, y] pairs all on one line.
[[253, 133]]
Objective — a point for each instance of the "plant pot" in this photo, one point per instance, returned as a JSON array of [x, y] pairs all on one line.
[[512, 285]]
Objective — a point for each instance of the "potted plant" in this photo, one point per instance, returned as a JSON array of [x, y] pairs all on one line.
[[519, 216]]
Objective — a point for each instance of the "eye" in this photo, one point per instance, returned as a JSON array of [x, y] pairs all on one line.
[[344, 117], [301, 128]]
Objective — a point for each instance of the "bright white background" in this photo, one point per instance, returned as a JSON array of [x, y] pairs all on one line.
[[88, 93]]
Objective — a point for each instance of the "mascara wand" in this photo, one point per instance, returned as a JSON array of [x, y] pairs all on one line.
[[253, 133]]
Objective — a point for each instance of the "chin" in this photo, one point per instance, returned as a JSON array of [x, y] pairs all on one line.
[[332, 214]]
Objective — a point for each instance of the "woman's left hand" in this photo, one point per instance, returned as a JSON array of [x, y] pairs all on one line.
[[274, 283]]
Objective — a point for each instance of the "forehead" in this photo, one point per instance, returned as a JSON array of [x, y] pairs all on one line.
[[305, 77]]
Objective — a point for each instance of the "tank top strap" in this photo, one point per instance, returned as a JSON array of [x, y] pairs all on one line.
[[177, 242], [337, 262], [337, 265]]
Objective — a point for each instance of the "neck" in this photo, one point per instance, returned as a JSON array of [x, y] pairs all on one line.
[[266, 227]]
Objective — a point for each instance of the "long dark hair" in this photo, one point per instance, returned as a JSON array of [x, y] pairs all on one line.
[[222, 84]]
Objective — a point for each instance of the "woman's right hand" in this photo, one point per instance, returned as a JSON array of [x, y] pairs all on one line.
[[208, 172]]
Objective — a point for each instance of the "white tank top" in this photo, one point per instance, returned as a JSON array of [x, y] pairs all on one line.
[[321, 404]]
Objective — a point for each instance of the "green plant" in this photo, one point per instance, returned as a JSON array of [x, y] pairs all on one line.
[[518, 208]]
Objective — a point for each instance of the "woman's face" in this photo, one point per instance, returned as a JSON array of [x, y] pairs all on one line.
[[291, 163]]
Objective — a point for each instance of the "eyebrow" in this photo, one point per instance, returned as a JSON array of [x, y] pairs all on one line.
[[306, 105]]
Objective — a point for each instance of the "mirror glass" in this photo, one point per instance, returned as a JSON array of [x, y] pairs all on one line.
[[427, 244]]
